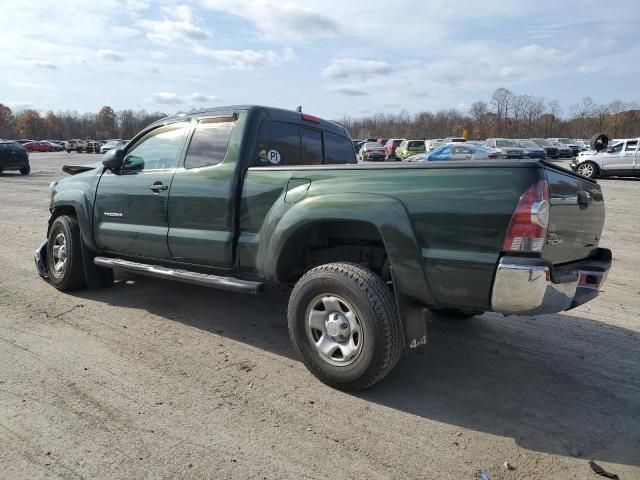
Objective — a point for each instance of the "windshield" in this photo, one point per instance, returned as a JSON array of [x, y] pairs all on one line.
[[506, 143], [542, 141], [416, 143], [564, 140], [370, 145], [528, 143]]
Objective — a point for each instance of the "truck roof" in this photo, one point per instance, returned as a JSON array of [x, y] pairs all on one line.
[[273, 113]]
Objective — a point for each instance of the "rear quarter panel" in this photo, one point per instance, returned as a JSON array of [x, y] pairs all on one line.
[[459, 216]]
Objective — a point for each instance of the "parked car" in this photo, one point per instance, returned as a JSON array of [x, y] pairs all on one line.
[[575, 148], [357, 144], [14, 156], [433, 143], [583, 144], [93, 146], [456, 151], [37, 147], [564, 151], [409, 147], [620, 159], [390, 148], [508, 146], [454, 140], [340, 235], [76, 144], [371, 152], [55, 147], [111, 144], [531, 149], [552, 150]]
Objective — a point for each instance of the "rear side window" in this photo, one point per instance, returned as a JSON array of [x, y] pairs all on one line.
[[338, 149], [632, 145], [311, 144], [290, 144], [279, 144], [209, 142]]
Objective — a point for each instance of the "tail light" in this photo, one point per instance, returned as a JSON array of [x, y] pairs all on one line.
[[528, 228]]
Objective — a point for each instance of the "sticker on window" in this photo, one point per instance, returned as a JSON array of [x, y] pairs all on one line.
[[274, 157]]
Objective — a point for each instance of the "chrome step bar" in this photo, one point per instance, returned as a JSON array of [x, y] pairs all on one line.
[[215, 281]]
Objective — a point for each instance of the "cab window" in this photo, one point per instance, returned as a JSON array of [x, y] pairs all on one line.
[[338, 149], [209, 142], [632, 146], [158, 149]]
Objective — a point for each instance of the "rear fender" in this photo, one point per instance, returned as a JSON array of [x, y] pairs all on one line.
[[389, 216]]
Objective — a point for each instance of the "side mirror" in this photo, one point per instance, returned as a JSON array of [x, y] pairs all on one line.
[[113, 159]]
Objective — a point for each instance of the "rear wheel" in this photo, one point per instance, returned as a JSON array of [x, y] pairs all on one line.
[[344, 323], [25, 170], [64, 254], [68, 151], [587, 170]]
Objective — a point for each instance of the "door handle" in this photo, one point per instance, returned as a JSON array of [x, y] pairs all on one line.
[[158, 186]]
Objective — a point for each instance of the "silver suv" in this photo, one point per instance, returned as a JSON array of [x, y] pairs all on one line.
[[75, 144]]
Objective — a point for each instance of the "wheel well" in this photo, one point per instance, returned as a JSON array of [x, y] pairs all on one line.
[[59, 211], [332, 241]]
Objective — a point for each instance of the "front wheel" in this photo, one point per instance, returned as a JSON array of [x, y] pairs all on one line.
[[64, 254], [587, 170], [25, 170], [344, 323]]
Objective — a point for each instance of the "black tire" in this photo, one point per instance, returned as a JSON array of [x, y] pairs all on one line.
[[79, 150], [453, 314], [25, 170], [588, 170], [375, 309], [68, 151], [71, 275]]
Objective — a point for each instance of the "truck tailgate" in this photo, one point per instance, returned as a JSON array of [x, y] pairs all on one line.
[[576, 217]]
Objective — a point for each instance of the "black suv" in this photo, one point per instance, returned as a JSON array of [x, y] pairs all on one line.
[[14, 156]]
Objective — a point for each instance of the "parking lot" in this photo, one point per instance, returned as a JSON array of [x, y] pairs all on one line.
[[156, 379]]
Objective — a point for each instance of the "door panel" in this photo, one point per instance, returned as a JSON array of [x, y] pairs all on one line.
[[614, 160], [202, 196], [131, 210]]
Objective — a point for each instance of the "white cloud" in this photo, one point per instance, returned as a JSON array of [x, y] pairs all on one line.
[[348, 90], [172, 98], [167, 98], [201, 97], [48, 64], [110, 55], [280, 20], [353, 67], [179, 25], [245, 59]]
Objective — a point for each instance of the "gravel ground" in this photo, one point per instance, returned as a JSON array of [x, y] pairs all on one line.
[[156, 379]]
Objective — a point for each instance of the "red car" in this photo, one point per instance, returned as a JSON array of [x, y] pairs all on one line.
[[38, 147], [390, 148]]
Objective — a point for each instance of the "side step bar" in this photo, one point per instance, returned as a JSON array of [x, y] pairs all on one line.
[[223, 283]]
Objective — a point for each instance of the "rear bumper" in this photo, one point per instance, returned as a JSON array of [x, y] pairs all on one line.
[[524, 286]]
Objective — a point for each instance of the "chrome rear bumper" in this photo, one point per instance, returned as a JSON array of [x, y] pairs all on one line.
[[525, 286]]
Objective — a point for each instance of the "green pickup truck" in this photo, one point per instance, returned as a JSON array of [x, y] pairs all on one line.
[[242, 197]]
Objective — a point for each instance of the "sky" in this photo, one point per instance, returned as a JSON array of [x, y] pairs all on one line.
[[333, 57]]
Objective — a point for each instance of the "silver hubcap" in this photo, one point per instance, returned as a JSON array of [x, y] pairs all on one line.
[[59, 253], [585, 170], [334, 330]]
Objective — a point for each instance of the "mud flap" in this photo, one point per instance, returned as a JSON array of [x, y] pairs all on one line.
[[40, 257], [414, 324], [95, 276]]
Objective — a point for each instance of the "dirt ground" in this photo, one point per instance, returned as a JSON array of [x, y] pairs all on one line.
[[155, 379]]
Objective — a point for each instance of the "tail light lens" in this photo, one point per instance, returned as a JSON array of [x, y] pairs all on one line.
[[528, 228]]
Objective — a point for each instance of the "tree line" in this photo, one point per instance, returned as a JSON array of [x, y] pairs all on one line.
[[107, 123], [508, 115]]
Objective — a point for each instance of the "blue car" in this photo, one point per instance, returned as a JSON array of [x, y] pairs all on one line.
[[458, 151], [531, 149]]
